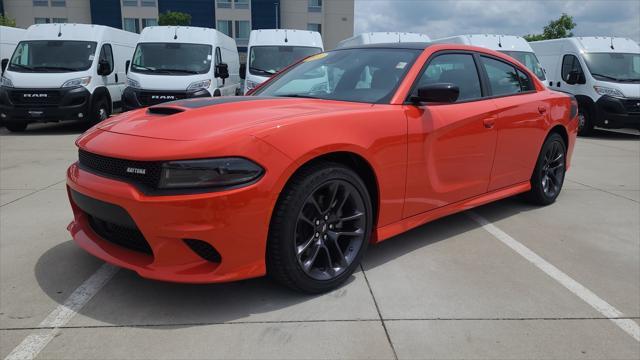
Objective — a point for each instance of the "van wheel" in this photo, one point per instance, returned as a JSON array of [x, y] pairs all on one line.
[[320, 228], [99, 110], [548, 176], [585, 124], [217, 93], [16, 126]]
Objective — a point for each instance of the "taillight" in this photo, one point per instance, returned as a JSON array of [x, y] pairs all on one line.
[[574, 108]]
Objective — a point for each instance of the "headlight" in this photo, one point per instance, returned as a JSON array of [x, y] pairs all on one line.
[[83, 81], [602, 90], [6, 82], [133, 83], [204, 84], [250, 85], [208, 173]]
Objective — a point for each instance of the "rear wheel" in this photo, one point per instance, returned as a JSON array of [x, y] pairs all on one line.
[[548, 176], [16, 126], [320, 229], [585, 123]]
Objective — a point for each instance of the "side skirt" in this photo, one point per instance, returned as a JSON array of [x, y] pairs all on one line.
[[387, 231]]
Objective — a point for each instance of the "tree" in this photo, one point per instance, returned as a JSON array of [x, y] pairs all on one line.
[[560, 28], [7, 21], [174, 18]]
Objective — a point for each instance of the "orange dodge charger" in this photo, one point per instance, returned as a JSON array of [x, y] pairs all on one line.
[[343, 149]]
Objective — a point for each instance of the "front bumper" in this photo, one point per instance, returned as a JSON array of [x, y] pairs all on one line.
[[20, 105], [616, 113], [133, 98], [234, 222]]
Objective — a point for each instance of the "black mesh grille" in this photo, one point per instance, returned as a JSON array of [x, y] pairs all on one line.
[[204, 250], [632, 106], [35, 97], [145, 173], [120, 235]]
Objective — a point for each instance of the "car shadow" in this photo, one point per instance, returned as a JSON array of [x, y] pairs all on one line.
[[604, 134], [129, 300], [57, 128]]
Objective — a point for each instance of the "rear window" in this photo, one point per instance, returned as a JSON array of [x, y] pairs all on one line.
[[503, 78]]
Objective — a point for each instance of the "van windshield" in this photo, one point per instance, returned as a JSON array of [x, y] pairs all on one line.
[[357, 75], [529, 60], [172, 58], [52, 56], [618, 67], [268, 60]]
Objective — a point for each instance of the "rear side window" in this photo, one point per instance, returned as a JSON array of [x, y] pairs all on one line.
[[570, 63], [457, 69], [525, 82], [503, 78]]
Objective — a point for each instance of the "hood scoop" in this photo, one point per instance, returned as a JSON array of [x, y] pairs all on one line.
[[164, 110]]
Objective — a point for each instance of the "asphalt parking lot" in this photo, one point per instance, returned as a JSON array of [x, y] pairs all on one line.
[[450, 289]]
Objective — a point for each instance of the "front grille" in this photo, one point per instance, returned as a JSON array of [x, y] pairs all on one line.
[[120, 235], [147, 98], [632, 106], [144, 173], [35, 97]]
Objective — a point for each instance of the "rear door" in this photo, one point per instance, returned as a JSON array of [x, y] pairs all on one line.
[[522, 114], [450, 146]]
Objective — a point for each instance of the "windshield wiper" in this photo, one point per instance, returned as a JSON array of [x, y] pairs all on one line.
[[179, 71], [262, 71], [144, 68], [298, 96], [606, 76], [54, 68], [20, 66]]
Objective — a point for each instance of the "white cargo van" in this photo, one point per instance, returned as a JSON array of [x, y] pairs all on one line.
[[603, 73], [515, 46], [9, 38], [178, 62], [271, 50], [381, 38], [65, 72]]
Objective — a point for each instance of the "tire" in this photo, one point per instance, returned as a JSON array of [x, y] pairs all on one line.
[[585, 121], [548, 175], [320, 228], [99, 110], [15, 126], [217, 93]]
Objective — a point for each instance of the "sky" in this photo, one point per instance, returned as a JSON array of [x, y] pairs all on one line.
[[441, 18]]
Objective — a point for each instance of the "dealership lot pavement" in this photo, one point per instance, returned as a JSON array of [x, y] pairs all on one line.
[[449, 289]]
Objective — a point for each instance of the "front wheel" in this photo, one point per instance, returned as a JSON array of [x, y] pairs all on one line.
[[320, 228], [548, 176], [99, 111], [585, 123]]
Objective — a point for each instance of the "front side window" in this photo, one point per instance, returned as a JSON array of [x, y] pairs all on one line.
[[457, 69], [131, 24], [617, 67], [344, 75], [172, 58], [503, 78], [106, 55], [52, 56], [529, 60], [224, 26], [268, 60], [571, 64]]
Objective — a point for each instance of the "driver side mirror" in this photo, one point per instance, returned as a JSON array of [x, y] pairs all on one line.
[[437, 93], [104, 68], [5, 62], [126, 66], [243, 71], [222, 72]]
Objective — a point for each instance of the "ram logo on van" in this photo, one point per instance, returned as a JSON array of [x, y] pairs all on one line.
[[163, 97], [35, 95]]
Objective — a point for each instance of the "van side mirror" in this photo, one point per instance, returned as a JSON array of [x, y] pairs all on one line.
[[104, 68], [437, 93], [5, 62], [222, 72], [126, 66], [243, 71]]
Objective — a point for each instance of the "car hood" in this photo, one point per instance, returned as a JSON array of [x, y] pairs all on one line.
[[200, 118]]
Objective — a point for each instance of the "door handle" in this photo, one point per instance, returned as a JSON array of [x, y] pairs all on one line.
[[542, 109], [489, 122]]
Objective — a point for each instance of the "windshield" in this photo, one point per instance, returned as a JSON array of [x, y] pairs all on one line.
[[529, 60], [614, 66], [268, 60], [172, 58], [53, 56], [360, 75]]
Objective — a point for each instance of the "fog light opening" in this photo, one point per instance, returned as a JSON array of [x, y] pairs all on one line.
[[204, 250], [80, 115]]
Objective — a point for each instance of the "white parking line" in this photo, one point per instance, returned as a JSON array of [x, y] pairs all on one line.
[[604, 308], [31, 346]]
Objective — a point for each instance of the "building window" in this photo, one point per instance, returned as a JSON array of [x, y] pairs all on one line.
[[149, 22], [315, 5], [129, 2], [59, 20], [41, 21], [315, 27], [40, 3], [58, 3], [242, 30], [130, 24], [224, 26], [149, 3], [241, 4], [224, 4]]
